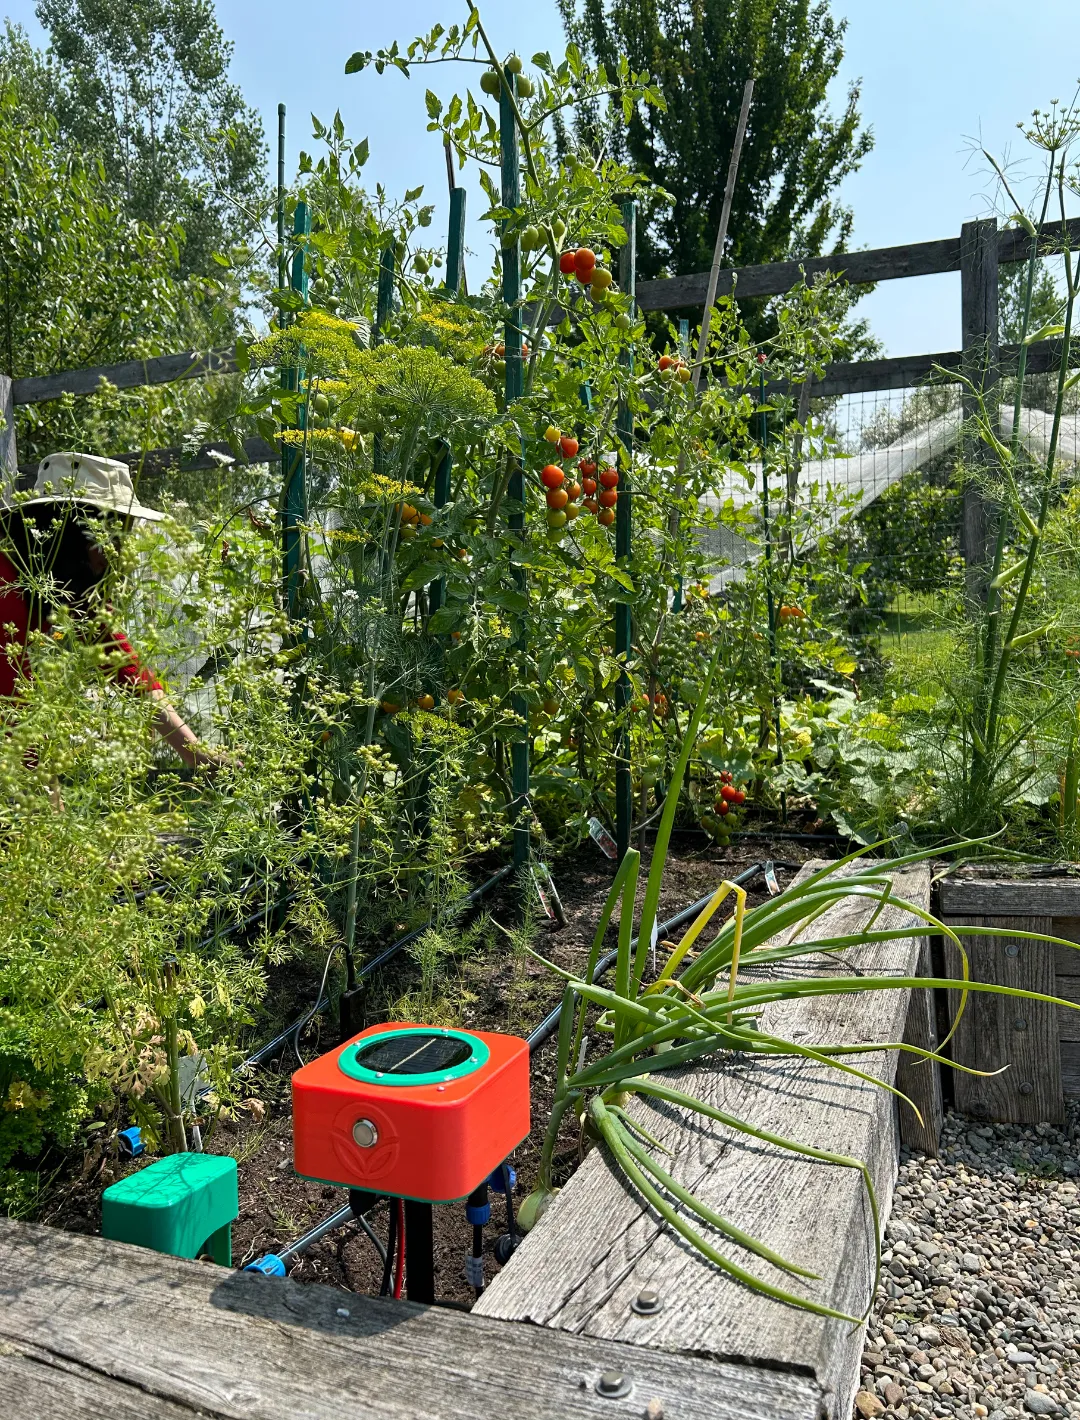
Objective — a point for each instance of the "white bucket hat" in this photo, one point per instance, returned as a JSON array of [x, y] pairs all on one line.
[[85, 478]]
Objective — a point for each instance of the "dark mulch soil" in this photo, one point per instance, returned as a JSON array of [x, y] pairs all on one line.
[[493, 990]]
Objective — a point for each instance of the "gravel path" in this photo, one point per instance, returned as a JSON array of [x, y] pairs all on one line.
[[978, 1313]]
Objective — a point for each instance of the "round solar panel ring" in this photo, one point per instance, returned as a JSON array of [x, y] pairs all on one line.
[[413, 1055]]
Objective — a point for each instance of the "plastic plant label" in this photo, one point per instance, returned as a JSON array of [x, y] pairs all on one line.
[[545, 901], [603, 840], [771, 881]]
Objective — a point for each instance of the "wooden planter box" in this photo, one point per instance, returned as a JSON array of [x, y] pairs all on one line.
[[1040, 1043]]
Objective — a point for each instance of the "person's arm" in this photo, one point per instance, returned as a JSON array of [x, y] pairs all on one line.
[[178, 735]]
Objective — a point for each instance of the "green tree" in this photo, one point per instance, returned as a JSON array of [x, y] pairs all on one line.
[[82, 284], [796, 154], [145, 85]]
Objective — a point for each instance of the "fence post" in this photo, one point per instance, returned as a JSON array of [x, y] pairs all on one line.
[[981, 366], [293, 462], [515, 387], [455, 271], [624, 794], [9, 458]]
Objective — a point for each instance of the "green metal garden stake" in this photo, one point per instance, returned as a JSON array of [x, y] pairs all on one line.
[[770, 600], [282, 270], [624, 793], [515, 385], [455, 270], [293, 462]]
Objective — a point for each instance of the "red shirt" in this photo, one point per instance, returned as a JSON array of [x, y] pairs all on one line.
[[15, 666]]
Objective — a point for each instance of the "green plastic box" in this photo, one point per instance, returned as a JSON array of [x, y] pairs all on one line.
[[184, 1205]]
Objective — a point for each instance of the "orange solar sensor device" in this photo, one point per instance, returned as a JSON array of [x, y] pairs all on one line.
[[413, 1111]]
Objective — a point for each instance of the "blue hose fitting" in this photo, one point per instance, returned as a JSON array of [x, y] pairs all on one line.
[[269, 1265], [130, 1142], [495, 1180], [478, 1207]]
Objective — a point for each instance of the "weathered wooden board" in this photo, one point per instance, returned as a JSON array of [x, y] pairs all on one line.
[[919, 1079], [161, 462], [597, 1247], [130, 374], [1070, 1068], [1008, 897], [996, 1031], [90, 1328], [857, 267], [9, 458]]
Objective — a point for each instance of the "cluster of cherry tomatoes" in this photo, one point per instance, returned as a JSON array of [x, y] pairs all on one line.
[[671, 367], [411, 520], [598, 485], [583, 265], [730, 794], [791, 613]]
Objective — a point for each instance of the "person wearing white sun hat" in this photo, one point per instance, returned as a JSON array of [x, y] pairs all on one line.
[[53, 541]]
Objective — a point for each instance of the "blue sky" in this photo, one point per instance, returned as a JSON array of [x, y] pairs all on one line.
[[938, 77]]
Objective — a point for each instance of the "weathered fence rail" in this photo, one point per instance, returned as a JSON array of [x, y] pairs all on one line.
[[597, 1248]]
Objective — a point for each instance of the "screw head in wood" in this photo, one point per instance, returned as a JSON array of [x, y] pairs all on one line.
[[1012, 950], [1019, 1023], [646, 1303], [1027, 1088], [613, 1385]]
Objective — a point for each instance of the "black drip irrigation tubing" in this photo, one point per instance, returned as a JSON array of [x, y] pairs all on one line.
[[542, 1033], [265, 1052]]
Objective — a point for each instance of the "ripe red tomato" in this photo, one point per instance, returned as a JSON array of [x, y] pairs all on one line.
[[728, 792], [665, 362], [552, 476], [587, 467], [584, 261], [589, 485], [609, 478], [566, 263], [722, 808], [606, 517], [557, 498], [426, 702], [590, 504], [608, 498], [573, 491], [569, 446], [739, 797], [726, 776]]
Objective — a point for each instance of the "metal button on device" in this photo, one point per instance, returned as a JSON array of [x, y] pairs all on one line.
[[646, 1303], [613, 1385], [365, 1134]]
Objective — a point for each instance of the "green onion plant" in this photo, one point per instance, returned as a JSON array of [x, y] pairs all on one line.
[[704, 1003]]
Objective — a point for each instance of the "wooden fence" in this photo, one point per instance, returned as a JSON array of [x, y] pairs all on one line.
[[975, 254]]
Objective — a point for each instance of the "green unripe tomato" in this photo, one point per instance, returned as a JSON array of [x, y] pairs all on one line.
[[655, 761], [321, 404], [556, 518], [558, 229], [622, 321], [524, 86], [531, 239], [421, 265], [513, 65], [332, 303], [648, 779], [489, 82]]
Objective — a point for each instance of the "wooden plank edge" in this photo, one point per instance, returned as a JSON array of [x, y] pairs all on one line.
[[867, 267], [129, 1318], [1003, 897], [129, 374]]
